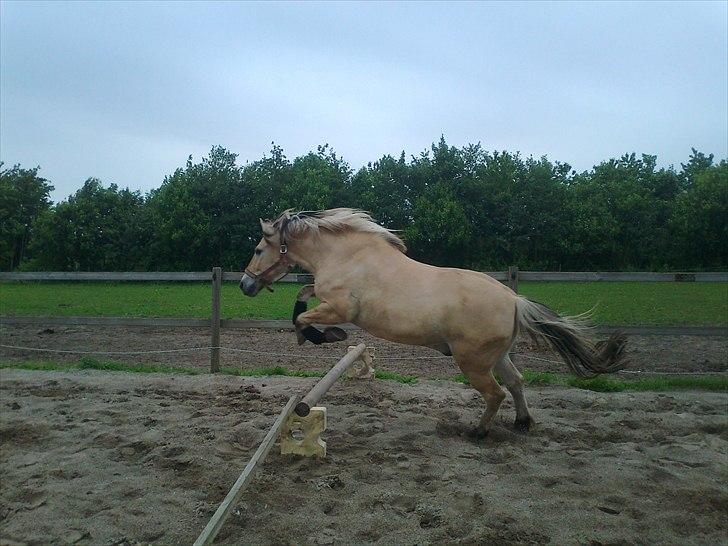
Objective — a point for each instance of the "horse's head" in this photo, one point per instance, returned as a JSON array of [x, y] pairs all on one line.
[[269, 262]]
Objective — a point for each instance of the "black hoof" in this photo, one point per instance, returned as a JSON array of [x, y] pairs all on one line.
[[317, 337], [314, 335], [523, 425], [333, 334]]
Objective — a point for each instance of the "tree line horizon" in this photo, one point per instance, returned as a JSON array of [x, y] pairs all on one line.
[[462, 207]]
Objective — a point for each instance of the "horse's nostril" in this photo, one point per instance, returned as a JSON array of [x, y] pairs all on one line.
[[247, 285]]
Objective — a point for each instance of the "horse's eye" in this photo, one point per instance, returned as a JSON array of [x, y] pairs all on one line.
[[258, 251]]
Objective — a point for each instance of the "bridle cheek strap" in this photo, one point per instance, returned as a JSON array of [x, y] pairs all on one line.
[[283, 261]]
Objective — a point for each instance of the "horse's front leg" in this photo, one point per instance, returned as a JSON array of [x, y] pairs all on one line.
[[323, 314]]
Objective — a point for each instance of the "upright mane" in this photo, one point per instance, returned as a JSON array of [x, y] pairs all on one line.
[[297, 224]]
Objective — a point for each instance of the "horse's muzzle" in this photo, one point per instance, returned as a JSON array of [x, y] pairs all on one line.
[[249, 286]]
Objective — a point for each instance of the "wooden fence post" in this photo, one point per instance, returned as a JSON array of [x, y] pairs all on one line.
[[215, 320], [513, 278]]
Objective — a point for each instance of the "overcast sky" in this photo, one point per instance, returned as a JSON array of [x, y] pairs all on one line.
[[126, 91]]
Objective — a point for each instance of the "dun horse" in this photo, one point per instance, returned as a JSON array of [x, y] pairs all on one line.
[[363, 276]]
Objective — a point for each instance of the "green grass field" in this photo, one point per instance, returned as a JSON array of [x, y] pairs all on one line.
[[636, 303], [626, 303], [142, 300]]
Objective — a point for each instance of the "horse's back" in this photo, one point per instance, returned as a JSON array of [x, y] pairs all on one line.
[[479, 304], [421, 304]]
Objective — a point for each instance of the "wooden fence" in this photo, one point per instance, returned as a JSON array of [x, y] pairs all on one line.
[[216, 277], [513, 275]]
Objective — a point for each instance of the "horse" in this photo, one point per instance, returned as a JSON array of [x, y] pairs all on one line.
[[363, 276]]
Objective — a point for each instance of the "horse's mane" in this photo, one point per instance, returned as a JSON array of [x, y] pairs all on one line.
[[298, 224]]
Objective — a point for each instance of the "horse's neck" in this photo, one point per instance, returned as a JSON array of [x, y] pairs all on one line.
[[333, 250]]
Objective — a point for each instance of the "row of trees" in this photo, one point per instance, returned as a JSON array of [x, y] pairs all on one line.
[[455, 206]]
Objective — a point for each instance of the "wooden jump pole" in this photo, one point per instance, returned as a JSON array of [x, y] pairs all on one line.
[[218, 519], [303, 408]]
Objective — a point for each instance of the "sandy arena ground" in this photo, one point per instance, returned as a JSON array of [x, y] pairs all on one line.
[[90, 457]]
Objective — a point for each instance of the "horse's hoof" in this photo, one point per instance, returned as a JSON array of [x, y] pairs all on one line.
[[301, 337], [523, 425], [314, 335], [333, 334]]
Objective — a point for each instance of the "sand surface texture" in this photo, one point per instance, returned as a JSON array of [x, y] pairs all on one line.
[[113, 458]]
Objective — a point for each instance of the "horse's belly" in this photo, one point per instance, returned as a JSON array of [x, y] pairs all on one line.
[[405, 329]]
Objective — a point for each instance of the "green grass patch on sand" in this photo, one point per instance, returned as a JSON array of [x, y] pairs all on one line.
[[88, 363], [654, 383], [391, 376], [626, 303], [599, 384], [277, 370], [604, 383]]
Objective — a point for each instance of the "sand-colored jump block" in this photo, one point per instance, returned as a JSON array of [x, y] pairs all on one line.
[[302, 435], [362, 368]]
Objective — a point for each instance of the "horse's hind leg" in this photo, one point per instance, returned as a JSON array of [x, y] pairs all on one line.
[[478, 369], [513, 380]]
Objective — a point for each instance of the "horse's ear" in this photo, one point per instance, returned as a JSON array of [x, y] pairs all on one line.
[[267, 228]]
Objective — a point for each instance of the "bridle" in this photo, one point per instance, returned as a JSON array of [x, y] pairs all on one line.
[[282, 261]]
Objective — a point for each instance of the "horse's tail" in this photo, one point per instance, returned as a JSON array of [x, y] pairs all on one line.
[[571, 338]]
